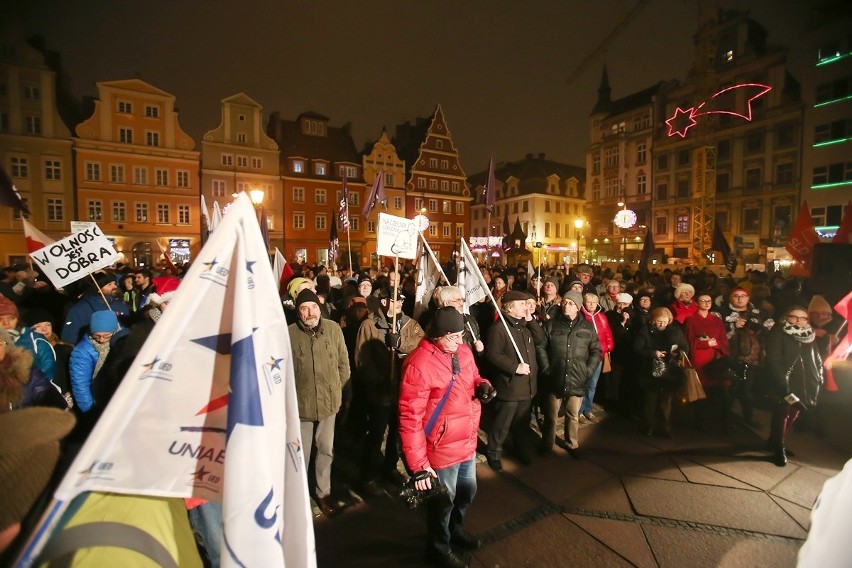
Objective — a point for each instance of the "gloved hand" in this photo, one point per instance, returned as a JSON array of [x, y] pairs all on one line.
[[485, 392], [393, 340]]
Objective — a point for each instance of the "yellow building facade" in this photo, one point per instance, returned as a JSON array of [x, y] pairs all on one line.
[[137, 173], [382, 159]]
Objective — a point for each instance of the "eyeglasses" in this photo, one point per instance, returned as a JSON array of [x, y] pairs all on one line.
[[455, 336], [797, 318], [102, 336], [739, 295], [705, 301]]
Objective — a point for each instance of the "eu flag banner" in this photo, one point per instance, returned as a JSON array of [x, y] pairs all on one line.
[[343, 213], [428, 277], [208, 408]]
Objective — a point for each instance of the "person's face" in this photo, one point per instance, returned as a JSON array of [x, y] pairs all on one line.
[[9, 322], [613, 287], [393, 277], [43, 327], [570, 309], [517, 309], [109, 289], [102, 337], [686, 296], [537, 284], [591, 303], [550, 289], [457, 302], [499, 283], [622, 306], [675, 280], [661, 322], [584, 277], [577, 288], [128, 282], [450, 343], [531, 305], [391, 306], [141, 280], [819, 317], [705, 302], [797, 317], [739, 300], [365, 288], [645, 302], [309, 313]]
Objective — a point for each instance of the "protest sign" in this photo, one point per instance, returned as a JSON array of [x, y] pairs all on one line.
[[75, 257], [397, 236]]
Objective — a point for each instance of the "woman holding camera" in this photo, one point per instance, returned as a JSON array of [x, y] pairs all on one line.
[[794, 366], [659, 347]]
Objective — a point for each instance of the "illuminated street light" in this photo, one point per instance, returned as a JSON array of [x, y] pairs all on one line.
[[257, 196]]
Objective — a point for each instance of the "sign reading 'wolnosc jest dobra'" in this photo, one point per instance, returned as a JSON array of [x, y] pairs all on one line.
[[75, 256]]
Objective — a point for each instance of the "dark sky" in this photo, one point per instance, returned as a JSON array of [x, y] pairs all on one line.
[[500, 69]]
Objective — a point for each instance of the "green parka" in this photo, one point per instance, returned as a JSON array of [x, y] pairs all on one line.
[[321, 365]]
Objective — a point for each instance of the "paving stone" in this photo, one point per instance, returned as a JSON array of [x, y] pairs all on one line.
[[677, 548], [498, 499], [625, 538], [801, 515], [659, 466], [558, 477], [609, 496], [750, 468], [704, 474], [721, 506], [802, 487]]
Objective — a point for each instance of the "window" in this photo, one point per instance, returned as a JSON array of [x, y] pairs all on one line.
[[661, 226], [162, 177], [439, 144], [662, 190], [682, 225], [116, 173], [242, 161], [320, 196], [433, 230], [140, 175], [751, 220], [558, 207], [355, 199], [445, 185], [152, 138], [433, 184], [55, 211], [447, 207], [445, 165], [611, 157], [227, 160], [218, 188], [547, 230], [526, 207], [433, 163], [782, 218], [612, 186], [299, 221], [596, 164], [16, 214], [641, 184], [754, 142], [33, 124], [723, 182], [547, 206], [433, 205], [558, 228], [125, 107], [683, 188], [163, 213], [446, 230], [839, 172], [152, 111], [834, 91], [52, 170], [93, 171], [683, 157], [459, 230], [663, 162], [596, 190], [389, 180], [182, 179], [371, 226], [397, 202], [319, 169], [183, 214], [837, 131], [319, 222], [641, 153], [723, 149], [298, 194], [241, 138], [348, 172], [119, 211], [418, 204], [784, 173], [141, 212], [256, 163], [125, 135], [355, 222], [95, 208], [753, 178], [455, 187]]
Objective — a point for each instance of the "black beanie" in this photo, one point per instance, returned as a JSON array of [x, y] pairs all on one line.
[[446, 320], [306, 295]]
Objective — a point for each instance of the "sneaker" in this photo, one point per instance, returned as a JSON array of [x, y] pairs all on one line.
[[467, 540], [590, 416], [495, 464], [582, 419], [445, 559]]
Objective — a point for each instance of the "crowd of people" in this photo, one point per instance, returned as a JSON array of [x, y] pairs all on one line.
[[406, 386]]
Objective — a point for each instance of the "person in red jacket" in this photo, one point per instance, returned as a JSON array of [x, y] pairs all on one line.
[[596, 315], [683, 305], [707, 340], [439, 438]]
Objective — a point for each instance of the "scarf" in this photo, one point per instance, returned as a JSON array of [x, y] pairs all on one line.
[[103, 351], [802, 334]]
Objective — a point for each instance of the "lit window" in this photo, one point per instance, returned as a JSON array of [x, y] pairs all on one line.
[[162, 213], [119, 211], [141, 212], [95, 209], [183, 214]]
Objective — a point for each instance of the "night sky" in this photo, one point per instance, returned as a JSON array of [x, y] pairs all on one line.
[[505, 72]]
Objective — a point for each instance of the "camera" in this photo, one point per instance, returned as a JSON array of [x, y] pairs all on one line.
[[485, 392], [413, 497]]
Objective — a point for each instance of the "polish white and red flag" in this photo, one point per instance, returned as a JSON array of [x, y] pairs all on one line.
[[36, 240]]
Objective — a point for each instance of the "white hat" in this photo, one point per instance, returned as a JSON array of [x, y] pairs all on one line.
[[623, 298]]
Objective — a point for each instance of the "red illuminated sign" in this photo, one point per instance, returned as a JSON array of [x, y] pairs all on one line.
[[684, 119]]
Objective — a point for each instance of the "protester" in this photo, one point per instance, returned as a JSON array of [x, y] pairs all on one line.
[[28, 338], [89, 355], [22, 384], [707, 340], [596, 316], [99, 296]]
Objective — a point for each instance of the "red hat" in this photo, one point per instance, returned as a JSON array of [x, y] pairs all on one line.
[[743, 290]]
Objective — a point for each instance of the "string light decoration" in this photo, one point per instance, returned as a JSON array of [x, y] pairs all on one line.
[[625, 219], [685, 118]]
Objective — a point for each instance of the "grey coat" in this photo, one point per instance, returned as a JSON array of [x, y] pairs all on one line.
[[321, 365]]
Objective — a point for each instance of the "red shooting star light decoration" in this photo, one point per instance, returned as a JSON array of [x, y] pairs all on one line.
[[684, 119]]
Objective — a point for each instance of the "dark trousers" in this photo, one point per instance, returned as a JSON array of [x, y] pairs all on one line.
[[741, 389], [783, 417], [717, 405], [657, 408], [380, 418], [445, 513], [509, 417]]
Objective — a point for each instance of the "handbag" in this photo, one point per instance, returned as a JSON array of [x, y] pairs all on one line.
[[607, 363], [658, 368], [719, 369], [691, 390]]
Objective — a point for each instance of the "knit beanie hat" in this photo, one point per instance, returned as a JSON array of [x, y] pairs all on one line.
[[306, 295], [580, 283], [103, 321], [624, 298], [446, 320], [8, 307], [574, 296], [818, 304], [36, 315], [102, 278], [681, 287], [294, 285], [29, 450]]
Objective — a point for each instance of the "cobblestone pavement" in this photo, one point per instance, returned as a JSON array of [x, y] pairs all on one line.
[[701, 498]]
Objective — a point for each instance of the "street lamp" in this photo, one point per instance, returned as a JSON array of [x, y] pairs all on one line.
[[257, 196], [578, 224]]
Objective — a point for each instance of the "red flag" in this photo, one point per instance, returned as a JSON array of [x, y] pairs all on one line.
[[35, 239], [801, 242], [844, 232], [843, 307]]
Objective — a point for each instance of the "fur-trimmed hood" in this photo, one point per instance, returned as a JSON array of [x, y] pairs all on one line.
[[14, 374]]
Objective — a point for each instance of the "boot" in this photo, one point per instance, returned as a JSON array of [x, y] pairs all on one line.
[[780, 456]]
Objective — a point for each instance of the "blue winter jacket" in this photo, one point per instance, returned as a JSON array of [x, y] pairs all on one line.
[[44, 356], [82, 368], [78, 318]]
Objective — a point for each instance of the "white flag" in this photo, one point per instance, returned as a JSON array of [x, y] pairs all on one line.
[[216, 219], [428, 276], [470, 278], [530, 270], [278, 263], [208, 408]]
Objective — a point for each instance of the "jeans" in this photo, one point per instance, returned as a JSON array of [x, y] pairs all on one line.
[[206, 520], [321, 433], [445, 513], [591, 386]]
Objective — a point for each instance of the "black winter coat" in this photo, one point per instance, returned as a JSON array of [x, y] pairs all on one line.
[[792, 366], [503, 361], [650, 339], [570, 356]]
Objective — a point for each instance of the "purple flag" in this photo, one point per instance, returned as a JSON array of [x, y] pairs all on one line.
[[490, 188], [343, 215], [377, 194], [9, 195], [333, 243]]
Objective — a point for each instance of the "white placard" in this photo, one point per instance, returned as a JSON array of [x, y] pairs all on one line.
[[80, 226], [76, 256], [397, 236]]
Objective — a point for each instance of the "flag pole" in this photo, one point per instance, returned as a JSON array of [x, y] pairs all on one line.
[[488, 250], [98, 288], [434, 259], [348, 241]]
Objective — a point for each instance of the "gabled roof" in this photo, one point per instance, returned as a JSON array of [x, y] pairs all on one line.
[[532, 173], [336, 146], [241, 99], [137, 85], [634, 101]]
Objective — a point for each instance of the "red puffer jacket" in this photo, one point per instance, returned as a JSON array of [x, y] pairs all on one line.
[[426, 374], [601, 324]]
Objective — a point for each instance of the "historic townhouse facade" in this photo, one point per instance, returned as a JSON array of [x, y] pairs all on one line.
[[380, 158], [437, 185], [35, 147], [315, 159], [619, 172], [238, 156], [137, 173], [544, 199], [753, 133]]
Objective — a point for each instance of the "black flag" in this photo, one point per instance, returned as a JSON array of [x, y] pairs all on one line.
[[9, 195], [721, 245], [647, 251]]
